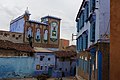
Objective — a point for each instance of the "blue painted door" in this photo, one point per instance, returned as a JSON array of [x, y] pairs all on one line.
[[50, 69], [99, 65]]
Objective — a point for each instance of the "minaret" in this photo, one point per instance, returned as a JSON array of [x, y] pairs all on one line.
[[27, 14]]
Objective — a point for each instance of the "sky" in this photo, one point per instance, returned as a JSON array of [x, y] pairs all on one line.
[[65, 9]]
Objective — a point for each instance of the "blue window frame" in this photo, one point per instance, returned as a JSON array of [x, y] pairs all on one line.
[[92, 32], [81, 20], [78, 26], [92, 5], [86, 13], [80, 63], [85, 40], [85, 66], [77, 44], [81, 43]]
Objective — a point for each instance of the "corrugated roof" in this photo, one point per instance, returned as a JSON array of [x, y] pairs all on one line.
[[40, 49]]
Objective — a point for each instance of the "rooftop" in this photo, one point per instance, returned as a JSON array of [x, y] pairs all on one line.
[[65, 53], [51, 17], [40, 49], [16, 19], [10, 32], [4, 44], [33, 21]]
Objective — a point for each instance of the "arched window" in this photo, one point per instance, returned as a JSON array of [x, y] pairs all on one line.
[[54, 31], [29, 32], [38, 35], [45, 35]]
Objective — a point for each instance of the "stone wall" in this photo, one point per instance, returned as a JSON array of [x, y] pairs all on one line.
[[12, 53], [11, 36]]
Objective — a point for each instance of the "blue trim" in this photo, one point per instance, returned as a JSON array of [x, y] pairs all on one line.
[[100, 65]]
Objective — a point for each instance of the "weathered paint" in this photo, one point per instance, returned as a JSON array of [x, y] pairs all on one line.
[[44, 62], [16, 67], [66, 66]]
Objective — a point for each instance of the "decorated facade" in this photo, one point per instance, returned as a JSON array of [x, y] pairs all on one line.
[[40, 34]]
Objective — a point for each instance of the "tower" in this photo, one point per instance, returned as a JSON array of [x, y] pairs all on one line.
[[54, 29]]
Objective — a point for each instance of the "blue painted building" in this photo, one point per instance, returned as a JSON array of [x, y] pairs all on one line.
[[92, 21], [16, 67], [17, 25], [66, 62], [53, 63], [16, 60], [44, 61]]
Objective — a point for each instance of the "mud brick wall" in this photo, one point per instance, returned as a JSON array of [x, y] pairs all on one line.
[[115, 40]]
